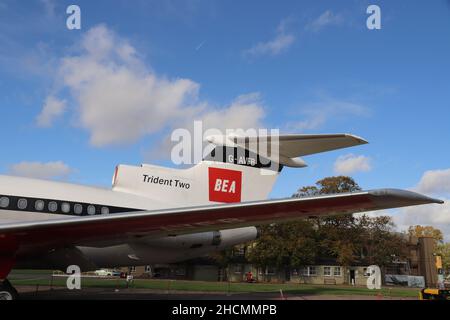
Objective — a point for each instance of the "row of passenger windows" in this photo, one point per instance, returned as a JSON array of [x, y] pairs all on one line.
[[52, 206]]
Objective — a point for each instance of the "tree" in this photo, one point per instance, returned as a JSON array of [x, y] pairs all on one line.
[[443, 250], [337, 234], [284, 245], [349, 239], [329, 185], [345, 238], [379, 242], [307, 191], [223, 259], [426, 231], [337, 184]]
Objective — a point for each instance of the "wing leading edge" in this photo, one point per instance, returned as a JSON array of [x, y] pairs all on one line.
[[82, 230], [291, 146]]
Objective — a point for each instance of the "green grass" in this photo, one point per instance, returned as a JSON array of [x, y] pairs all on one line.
[[44, 279]]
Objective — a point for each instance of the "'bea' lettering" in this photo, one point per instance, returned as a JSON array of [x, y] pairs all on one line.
[[224, 185]]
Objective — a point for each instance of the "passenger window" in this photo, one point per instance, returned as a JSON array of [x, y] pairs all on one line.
[[52, 206], [91, 210], [22, 204], [4, 202], [39, 205], [105, 210], [65, 207], [78, 208]]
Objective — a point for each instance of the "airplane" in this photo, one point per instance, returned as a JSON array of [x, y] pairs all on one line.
[[155, 214]]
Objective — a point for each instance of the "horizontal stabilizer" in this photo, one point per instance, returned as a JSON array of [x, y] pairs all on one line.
[[288, 148]]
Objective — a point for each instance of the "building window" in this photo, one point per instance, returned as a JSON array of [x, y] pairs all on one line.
[[65, 207], [91, 210], [39, 205], [327, 271], [304, 271], [337, 271], [132, 269], [270, 271], [4, 202], [240, 252], [180, 272], [308, 271], [148, 269], [52, 206], [238, 268], [78, 208], [22, 204], [104, 210], [365, 273]]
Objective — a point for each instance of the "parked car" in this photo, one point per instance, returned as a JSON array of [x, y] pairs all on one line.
[[103, 273]]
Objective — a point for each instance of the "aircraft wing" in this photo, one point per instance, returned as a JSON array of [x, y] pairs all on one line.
[[81, 230]]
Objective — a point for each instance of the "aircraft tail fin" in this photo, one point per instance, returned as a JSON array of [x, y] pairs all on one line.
[[235, 169]]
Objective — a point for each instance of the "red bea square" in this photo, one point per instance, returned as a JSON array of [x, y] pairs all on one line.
[[224, 185]]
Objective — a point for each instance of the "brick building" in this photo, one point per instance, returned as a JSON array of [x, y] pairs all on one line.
[[420, 262]]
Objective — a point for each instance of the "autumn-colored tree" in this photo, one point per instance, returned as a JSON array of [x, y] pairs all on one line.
[[426, 231], [443, 250], [329, 185], [284, 245], [379, 242], [337, 184], [346, 238], [338, 234], [307, 191]]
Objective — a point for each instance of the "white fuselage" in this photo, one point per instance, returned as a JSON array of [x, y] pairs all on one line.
[[31, 199]]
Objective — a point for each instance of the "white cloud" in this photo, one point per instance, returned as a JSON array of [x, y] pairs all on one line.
[[40, 170], [244, 112], [435, 182], [316, 115], [53, 107], [432, 183], [435, 215], [280, 43], [327, 18], [120, 100], [350, 163]]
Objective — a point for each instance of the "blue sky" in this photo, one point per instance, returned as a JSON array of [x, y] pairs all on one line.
[[301, 66]]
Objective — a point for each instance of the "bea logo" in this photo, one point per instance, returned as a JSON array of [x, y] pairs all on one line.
[[224, 185]]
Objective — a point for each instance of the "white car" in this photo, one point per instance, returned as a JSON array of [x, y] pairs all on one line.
[[103, 273]]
